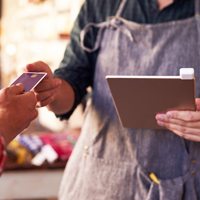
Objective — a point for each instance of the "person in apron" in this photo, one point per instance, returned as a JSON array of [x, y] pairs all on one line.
[[111, 162]]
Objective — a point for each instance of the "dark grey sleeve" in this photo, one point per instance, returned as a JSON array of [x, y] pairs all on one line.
[[76, 67]]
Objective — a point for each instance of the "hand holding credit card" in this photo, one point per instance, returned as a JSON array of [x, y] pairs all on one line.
[[30, 79]]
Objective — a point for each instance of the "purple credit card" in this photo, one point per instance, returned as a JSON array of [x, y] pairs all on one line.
[[30, 79]]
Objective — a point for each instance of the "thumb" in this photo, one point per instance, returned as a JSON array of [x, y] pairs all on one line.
[[16, 89], [39, 66]]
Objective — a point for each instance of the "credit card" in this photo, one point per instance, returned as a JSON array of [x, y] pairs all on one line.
[[30, 80]]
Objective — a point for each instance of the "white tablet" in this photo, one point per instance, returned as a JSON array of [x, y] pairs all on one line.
[[139, 98]]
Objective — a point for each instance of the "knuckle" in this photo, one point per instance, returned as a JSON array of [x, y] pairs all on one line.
[[6, 91], [183, 130], [190, 116], [188, 130], [183, 125]]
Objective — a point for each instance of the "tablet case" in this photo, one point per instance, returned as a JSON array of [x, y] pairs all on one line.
[[139, 98]]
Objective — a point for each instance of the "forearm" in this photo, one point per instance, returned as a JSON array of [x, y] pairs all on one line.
[[64, 99]]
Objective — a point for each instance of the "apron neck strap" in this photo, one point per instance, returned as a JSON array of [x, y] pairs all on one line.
[[197, 7], [121, 8]]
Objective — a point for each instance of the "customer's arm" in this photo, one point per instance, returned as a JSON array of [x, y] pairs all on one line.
[[17, 110]]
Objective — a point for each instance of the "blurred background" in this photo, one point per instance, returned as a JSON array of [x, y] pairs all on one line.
[[33, 30]]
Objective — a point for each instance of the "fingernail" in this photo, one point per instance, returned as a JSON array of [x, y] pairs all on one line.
[[161, 116], [169, 114], [20, 84]]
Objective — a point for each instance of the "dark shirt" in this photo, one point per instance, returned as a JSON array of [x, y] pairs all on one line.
[[77, 66]]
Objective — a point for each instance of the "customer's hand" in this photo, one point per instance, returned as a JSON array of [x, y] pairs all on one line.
[[185, 124], [47, 89], [17, 110]]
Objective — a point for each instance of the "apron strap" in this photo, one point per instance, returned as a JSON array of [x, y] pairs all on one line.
[[84, 32], [121, 8], [197, 7], [112, 21]]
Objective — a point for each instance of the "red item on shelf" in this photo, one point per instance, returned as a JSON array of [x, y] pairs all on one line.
[[62, 143]]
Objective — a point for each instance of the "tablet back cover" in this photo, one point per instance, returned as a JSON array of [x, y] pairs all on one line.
[[138, 100]]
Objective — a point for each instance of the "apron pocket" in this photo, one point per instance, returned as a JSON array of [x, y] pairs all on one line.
[[178, 188]]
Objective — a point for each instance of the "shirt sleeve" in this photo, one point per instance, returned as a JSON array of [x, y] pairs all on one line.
[[2, 154], [77, 66]]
